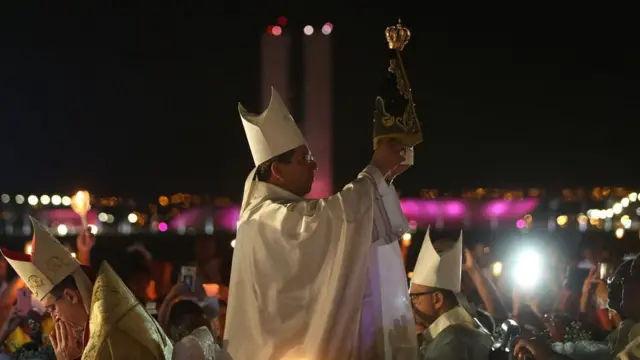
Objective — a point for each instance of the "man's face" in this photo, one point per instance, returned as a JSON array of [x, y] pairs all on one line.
[[425, 304], [68, 307], [630, 291], [298, 175]]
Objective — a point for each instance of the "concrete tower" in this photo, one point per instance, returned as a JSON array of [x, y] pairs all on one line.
[[275, 66], [318, 107]]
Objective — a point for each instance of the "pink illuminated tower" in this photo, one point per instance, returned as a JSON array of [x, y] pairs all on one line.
[[316, 100], [275, 65], [318, 110]]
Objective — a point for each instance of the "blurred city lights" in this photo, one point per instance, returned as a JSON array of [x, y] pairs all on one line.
[[132, 218], [562, 220], [308, 30], [62, 230], [32, 200], [327, 28], [56, 200]]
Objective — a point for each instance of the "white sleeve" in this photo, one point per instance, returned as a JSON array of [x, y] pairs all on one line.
[[389, 222], [368, 196]]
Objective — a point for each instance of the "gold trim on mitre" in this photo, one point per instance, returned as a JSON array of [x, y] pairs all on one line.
[[119, 327], [442, 270], [49, 264], [271, 133]]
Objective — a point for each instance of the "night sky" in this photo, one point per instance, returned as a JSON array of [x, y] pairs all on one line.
[[144, 101]]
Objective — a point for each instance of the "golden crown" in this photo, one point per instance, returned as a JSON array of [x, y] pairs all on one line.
[[397, 36]]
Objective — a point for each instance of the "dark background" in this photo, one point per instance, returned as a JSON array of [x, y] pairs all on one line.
[[142, 99]]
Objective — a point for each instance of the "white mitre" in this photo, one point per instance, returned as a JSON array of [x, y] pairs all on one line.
[[442, 270], [50, 262], [271, 133]]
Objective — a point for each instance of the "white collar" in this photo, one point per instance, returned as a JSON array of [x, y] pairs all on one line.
[[273, 192], [457, 315]]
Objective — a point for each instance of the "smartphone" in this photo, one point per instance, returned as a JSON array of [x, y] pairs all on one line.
[[605, 271], [188, 277], [24, 301]]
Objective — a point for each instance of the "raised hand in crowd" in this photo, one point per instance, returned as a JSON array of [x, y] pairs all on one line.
[[85, 242]]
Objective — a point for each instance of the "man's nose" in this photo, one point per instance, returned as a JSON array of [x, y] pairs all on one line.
[[314, 165]]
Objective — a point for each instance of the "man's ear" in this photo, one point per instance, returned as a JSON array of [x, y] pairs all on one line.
[[72, 295], [438, 300], [276, 170]]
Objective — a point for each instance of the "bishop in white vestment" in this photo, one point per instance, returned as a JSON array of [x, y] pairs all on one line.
[[314, 279], [441, 312]]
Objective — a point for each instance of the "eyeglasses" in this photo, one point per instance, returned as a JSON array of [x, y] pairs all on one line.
[[414, 296], [52, 307]]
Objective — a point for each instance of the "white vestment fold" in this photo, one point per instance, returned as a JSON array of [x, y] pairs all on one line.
[[199, 345], [300, 270]]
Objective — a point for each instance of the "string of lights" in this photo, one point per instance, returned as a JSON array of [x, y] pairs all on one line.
[[609, 209]]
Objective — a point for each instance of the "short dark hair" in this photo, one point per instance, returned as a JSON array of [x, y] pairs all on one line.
[[449, 296], [264, 170], [70, 283], [184, 317], [67, 283]]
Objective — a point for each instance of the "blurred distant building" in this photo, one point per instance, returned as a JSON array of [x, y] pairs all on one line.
[[316, 117]]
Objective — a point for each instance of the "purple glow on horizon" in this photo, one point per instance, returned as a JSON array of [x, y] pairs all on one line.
[[454, 208], [428, 209], [69, 217], [420, 212], [186, 218], [228, 218], [496, 208], [509, 209]]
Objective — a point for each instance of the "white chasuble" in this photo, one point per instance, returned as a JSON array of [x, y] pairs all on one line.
[[320, 279]]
